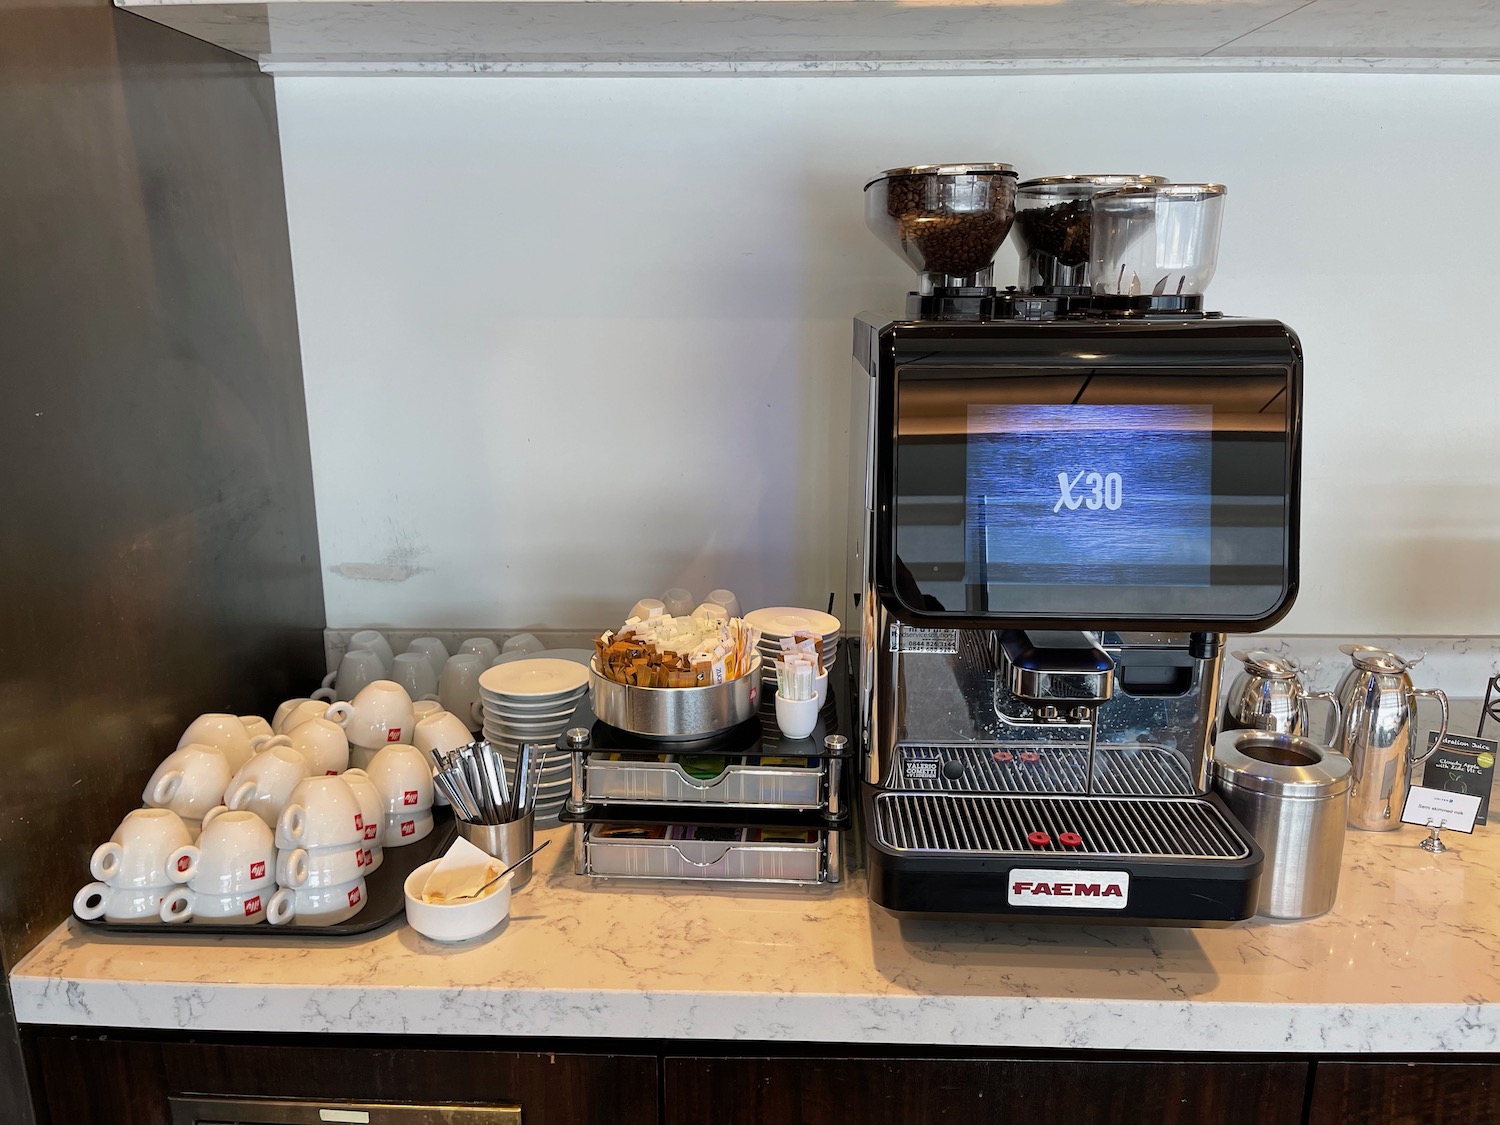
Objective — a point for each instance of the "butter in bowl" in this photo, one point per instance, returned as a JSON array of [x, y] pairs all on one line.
[[437, 905]]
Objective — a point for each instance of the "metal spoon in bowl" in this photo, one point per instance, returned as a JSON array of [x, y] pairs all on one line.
[[504, 873]]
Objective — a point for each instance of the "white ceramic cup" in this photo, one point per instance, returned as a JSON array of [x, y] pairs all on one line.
[[796, 717], [358, 668], [322, 812], [372, 640], [235, 854], [226, 732], [712, 612], [726, 599], [322, 867], [434, 649], [306, 710], [264, 783], [647, 607], [424, 709], [482, 647], [402, 775], [190, 781], [458, 689], [378, 715], [526, 643], [373, 810], [317, 906], [183, 904], [284, 710], [255, 726], [323, 744], [136, 855], [119, 904], [413, 672], [443, 731], [678, 602], [406, 828], [820, 690]]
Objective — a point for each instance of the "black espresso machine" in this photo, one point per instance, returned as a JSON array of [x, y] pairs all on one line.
[[1072, 489]]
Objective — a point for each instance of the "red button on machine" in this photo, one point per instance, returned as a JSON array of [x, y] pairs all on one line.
[[1001, 756], [1039, 839], [1030, 756], [1070, 840]]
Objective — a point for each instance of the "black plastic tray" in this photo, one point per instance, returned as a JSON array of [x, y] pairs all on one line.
[[384, 890]]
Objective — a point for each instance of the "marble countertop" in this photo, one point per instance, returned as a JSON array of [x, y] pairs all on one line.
[[1408, 961]]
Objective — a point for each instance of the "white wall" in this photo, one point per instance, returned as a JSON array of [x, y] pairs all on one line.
[[570, 341]]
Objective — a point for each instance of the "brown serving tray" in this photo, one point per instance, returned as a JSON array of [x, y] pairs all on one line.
[[384, 890]]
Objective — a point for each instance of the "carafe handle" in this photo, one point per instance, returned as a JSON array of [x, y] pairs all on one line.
[[1335, 715], [1442, 699]]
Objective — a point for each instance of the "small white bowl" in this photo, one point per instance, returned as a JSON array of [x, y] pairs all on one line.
[[454, 921]]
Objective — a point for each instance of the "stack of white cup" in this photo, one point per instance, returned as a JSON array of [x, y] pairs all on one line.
[[320, 839], [230, 873], [132, 868], [372, 809], [402, 775], [380, 715]]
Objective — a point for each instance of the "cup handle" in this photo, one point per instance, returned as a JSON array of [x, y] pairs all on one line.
[[340, 713], [291, 867], [88, 903], [292, 823], [239, 798], [160, 795], [326, 694], [106, 861], [177, 905], [282, 908], [476, 710], [266, 741], [182, 864], [211, 815], [1335, 715]]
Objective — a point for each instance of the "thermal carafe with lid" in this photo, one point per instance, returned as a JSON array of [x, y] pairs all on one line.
[[1292, 795]]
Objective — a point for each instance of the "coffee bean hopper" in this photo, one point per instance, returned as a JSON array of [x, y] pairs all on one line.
[[1060, 510]]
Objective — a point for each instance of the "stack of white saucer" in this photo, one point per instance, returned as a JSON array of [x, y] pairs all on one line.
[[778, 622], [533, 701]]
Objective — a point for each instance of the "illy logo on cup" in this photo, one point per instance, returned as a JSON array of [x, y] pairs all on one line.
[[359, 821], [366, 857], [360, 858], [410, 797], [252, 906], [408, 827], [370, 830], [393, 735], [353, 896], [258, 871]]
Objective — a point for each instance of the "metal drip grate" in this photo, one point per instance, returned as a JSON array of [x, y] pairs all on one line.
[[1135, 770], [999, 824]]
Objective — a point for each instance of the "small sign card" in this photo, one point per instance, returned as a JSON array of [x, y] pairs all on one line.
[[1462, 765], [1435, 807]]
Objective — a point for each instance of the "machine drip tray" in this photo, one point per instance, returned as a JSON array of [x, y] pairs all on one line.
[[1006, 824], [1049, 857], [1136, 769]]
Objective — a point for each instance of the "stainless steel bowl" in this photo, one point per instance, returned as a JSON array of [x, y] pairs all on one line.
[[675, 714]]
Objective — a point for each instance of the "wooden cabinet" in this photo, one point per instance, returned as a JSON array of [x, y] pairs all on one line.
[[912, 1091], [1419, 1093], [93, 1080]]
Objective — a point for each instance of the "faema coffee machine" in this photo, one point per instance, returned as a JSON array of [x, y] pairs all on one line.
[[1071, 490]]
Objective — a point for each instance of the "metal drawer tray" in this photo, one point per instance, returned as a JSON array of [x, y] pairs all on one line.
[[741, 861], [669, 783]]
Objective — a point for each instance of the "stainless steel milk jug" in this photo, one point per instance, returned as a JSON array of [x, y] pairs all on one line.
[[1379, 734], [1268, 695]]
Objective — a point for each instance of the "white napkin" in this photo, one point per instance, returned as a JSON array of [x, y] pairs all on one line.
[[462, 871]]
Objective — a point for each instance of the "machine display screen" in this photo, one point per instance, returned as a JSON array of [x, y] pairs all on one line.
[[1160, 496], [1090, 495]]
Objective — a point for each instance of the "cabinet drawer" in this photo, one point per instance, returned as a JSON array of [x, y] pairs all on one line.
[[1406, 1093], [834, 1091], [99, 1081]]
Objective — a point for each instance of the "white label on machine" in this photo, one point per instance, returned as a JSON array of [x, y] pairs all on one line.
[[922, 771], [1070, 890]]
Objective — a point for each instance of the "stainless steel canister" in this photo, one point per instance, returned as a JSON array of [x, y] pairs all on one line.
[[1293, 796], [675, 714]]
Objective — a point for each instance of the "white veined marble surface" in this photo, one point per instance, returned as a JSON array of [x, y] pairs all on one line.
[[1408, 961]]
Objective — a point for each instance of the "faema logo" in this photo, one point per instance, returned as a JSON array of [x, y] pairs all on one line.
[[1069, 890]]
